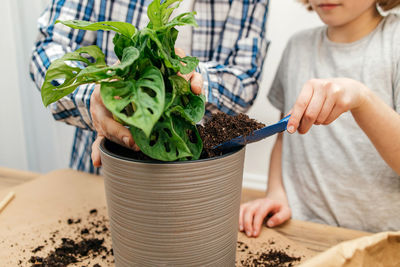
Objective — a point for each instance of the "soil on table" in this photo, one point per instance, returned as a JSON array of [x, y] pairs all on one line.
[[87, 243], [268, 256]]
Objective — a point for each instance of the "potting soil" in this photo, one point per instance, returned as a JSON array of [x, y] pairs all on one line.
[[222, 127], [88, 244]]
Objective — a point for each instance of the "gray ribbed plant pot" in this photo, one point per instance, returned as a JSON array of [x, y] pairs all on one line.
[[173, 214]]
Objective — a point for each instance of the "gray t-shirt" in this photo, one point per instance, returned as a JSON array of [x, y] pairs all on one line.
[[333, 174]]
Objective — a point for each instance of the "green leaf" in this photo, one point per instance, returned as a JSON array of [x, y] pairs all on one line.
[[123, 28], [171, 60], [179, 86], [67, 73], [62, 79], [183, 101], [190, 106], [144, 99], [120, 43], [185, 19], [172, 138], [190, 135], [129, 57], [159, 14]]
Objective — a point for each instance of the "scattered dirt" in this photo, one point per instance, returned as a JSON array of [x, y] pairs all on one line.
[[222, 127], [88, 242], [267, 258]]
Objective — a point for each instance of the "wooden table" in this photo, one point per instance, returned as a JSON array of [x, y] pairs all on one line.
[[42, 203]]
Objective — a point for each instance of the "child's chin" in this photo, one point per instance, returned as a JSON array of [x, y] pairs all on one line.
[[332, 20]]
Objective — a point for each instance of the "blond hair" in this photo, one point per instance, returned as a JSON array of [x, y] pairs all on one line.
[[383, 4]]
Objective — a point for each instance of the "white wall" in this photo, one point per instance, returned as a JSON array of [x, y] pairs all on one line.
[[12, 143], [30, 139]]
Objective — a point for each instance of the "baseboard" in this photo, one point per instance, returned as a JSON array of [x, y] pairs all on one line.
[[254, 181]]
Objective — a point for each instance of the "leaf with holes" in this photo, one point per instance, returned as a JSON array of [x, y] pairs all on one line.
[[172, 138], [179, 87], [137, 103], [190, 135], [61, 77], [67, 73]]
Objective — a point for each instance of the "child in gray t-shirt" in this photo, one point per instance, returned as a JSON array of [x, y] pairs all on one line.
[[346, 76]]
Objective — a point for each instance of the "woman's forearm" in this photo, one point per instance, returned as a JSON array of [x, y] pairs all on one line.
[[382, 126]]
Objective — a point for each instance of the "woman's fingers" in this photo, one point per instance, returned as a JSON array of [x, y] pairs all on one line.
[[96, 159], [117, 133], [195, 78], [196, 83], [105, 124], [179, 52]]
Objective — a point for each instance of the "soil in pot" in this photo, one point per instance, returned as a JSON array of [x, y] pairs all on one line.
[[216, 130]]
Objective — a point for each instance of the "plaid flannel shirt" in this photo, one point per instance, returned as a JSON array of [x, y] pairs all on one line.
[[229, 42]]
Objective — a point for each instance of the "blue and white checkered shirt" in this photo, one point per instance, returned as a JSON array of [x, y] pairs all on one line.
[[229, 42]]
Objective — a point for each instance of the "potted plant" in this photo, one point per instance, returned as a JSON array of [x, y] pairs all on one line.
[[174, 209]]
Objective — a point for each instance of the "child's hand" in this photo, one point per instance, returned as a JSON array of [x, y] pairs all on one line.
[[252, 213], [321, 101]]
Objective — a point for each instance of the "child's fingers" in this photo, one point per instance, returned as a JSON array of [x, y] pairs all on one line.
[[314, 108], [263, 210], [241, 212], [331, 96], [248, 217], [280, 217], [335, 113], [299, 107]]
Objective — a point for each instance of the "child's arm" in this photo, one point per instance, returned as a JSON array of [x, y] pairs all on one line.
[[321, 101], [275, 203]]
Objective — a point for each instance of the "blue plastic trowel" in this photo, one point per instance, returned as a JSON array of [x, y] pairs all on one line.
[[257, 135]]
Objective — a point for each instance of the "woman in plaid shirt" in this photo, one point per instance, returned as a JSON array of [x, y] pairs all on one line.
[[229, 42]]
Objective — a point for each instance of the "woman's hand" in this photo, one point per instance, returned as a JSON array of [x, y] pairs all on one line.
[[106, 126], [195, 78], [321, 101], [253, 213]]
